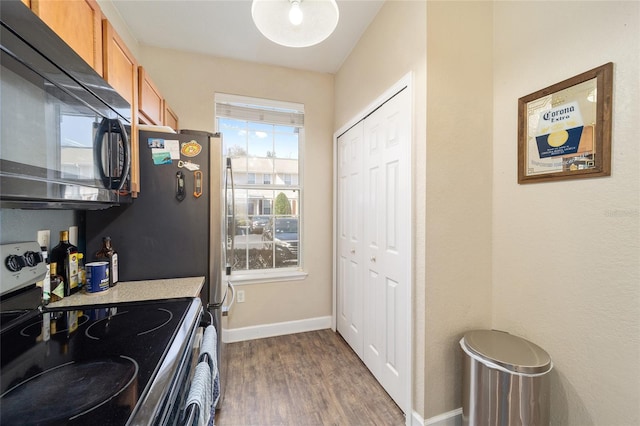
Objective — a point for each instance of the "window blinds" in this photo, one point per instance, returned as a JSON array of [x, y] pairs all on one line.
[[260, 114]]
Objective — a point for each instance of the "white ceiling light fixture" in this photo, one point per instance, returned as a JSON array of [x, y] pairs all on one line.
[[295, 23]]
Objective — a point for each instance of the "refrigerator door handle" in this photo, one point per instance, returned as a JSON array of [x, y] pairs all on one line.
[[229, 187], [225, 308]]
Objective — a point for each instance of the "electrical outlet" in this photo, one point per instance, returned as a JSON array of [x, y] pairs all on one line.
[[240, 296], [73, 235], [44, 238]]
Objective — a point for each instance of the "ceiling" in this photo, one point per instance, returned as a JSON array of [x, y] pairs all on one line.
[[224, 28]]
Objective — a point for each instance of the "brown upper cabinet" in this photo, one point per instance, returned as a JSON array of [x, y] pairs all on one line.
[[77, 22], [152, 107], [121, 72], [120, 66], [150, 102], [170, 117]]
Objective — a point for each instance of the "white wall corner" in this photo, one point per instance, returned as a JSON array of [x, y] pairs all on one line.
[[416, 419]]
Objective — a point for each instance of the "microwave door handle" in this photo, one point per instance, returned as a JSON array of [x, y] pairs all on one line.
[[108, 126], [126, 146], [98, 144]]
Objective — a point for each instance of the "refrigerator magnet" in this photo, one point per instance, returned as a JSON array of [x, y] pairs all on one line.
[[190, 149], [155, 143], [197, 183]]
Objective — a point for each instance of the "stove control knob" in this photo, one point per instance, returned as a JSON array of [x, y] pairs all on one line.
[[15, 263], [32, 258]]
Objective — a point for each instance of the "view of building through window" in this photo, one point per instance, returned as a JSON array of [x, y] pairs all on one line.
[[263, 144]]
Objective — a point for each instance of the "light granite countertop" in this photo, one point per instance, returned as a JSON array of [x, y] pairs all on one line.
[[134, 291]]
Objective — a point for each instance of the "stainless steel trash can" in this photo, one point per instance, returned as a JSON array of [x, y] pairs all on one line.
[[505, 380]]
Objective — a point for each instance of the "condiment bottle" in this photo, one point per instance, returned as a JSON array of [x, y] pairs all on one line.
[[82, 274], [108, 253], [65, 255]]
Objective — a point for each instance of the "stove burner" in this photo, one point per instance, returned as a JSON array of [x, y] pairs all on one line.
[[123, 325], [41, 399], [34, 330]]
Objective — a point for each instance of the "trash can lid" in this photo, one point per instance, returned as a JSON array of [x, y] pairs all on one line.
[[511, 352]]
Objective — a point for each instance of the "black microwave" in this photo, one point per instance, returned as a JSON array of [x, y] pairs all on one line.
[[64, 132]]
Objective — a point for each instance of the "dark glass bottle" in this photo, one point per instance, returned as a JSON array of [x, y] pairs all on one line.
[[57, 287], [65, 255], [108, 254]]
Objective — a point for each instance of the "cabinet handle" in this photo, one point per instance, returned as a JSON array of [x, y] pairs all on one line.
[[373, 259], [353, 251]]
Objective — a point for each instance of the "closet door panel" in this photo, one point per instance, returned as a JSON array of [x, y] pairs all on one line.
[[350, 278], [386, 140], [374, 243]]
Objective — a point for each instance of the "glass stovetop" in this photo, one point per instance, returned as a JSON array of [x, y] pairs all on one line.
[[85, 366]]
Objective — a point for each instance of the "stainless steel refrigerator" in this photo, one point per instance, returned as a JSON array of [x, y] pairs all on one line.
[[173, 228]]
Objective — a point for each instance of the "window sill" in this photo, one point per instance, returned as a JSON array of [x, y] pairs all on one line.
[[269, 277]]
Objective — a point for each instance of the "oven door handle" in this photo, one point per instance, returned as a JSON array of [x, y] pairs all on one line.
[[192, 412]]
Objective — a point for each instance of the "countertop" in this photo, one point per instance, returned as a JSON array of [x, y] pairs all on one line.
[[134, 291]]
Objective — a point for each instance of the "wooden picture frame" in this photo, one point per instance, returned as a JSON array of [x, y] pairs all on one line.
[[564, 130]]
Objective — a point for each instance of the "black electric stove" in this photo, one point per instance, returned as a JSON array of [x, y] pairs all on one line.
[[120, 364], [107, 365]]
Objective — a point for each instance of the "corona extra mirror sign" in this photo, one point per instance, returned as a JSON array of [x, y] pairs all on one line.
[[559, 130]]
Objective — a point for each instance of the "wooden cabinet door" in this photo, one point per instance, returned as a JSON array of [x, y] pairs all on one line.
[[150, 102], [78, 23], [120, 66], [121, 72], [170, 117]]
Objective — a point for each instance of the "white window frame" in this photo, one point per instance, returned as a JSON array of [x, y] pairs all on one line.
[[275, 274]]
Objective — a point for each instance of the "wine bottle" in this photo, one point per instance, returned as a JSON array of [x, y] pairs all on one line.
[[57, 286], [65, 255], [108, 254]]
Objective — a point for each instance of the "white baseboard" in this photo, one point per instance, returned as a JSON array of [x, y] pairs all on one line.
[[277, 329], [416, 419], [451, 418]]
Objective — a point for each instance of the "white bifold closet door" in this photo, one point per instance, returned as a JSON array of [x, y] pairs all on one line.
[[350, 229], [374, 242]]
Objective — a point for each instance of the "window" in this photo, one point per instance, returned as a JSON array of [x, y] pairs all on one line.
[[263, 139]]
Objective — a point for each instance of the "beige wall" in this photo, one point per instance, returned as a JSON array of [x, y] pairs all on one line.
[[189, 82], [394, 45], [459, 161], [566, 256]]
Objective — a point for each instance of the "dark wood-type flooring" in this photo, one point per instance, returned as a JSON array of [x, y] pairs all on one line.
[[301, 379]]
